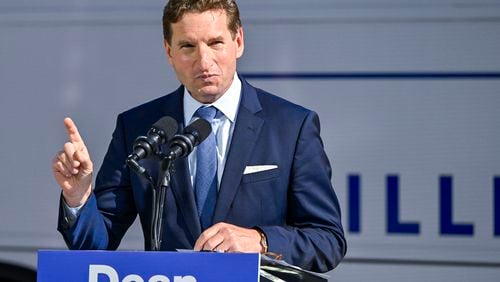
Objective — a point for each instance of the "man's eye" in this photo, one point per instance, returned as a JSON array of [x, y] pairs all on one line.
[[219, 42], [183, 46]]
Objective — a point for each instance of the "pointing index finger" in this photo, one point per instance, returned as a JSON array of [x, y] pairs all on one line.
[[73, 134]]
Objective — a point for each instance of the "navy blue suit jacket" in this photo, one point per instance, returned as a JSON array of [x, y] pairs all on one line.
[[294, 204]]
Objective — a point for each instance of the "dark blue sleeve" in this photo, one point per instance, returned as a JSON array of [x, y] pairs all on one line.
[[313, 237]]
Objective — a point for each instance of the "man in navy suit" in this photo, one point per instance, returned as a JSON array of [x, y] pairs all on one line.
[[272, 176]]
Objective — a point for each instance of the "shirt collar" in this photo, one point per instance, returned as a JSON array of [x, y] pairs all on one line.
[[227, 104]]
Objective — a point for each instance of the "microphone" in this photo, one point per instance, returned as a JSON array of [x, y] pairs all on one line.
[[161, 132], [183, 144]]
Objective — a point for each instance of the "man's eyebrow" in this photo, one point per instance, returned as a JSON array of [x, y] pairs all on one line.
[[218, 38], [190, 42]]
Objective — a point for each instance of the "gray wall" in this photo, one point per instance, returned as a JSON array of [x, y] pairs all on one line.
[[91, 60]]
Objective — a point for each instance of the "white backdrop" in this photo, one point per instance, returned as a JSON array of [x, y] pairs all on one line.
[[91, 60]]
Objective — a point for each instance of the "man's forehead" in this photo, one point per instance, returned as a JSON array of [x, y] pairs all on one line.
[[214, 14], [187, 28]]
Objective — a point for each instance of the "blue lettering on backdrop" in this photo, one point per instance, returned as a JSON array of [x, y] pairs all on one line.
[[354, 195], [395, 226], [446, 214], [393, 223], [496, 205]]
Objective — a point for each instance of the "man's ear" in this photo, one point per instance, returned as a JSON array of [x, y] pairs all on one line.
[[240, 42], [168, 50]]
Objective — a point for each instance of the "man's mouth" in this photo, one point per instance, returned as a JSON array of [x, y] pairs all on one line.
[[206, 77]]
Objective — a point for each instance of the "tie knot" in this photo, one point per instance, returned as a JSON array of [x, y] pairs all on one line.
[[207, 113]]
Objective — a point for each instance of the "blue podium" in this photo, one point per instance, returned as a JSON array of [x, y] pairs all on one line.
[[131, 266]]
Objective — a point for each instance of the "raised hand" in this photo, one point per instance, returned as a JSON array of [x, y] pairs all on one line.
[[72, 168]]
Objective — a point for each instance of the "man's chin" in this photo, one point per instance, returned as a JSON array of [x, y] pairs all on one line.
[[207, 94]]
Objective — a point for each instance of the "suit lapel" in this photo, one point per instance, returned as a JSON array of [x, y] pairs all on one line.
[[184, 196], [180, 181], [246, 132]]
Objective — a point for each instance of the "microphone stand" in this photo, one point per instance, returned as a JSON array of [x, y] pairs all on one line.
[[159, 193]]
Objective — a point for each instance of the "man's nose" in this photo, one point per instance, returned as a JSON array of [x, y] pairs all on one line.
[[205, 60]]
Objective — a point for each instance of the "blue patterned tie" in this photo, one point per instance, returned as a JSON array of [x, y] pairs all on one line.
[[206, 172]]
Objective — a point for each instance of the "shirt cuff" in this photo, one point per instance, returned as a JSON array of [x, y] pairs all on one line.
[[71, 213]]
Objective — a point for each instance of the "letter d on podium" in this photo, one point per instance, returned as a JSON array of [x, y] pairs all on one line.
[[96, 269]]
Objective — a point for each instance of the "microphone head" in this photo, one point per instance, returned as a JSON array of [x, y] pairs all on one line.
[[165, 127], [199, 129]]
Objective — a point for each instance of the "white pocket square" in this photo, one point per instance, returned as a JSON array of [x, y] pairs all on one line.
[[257, 168]]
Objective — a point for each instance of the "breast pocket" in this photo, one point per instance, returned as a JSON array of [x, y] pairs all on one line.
[[261, 176]]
